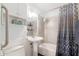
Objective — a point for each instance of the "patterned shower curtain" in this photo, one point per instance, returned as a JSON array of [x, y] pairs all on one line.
[[66, 45]]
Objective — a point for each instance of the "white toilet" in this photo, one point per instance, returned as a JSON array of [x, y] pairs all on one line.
[[47, 49]]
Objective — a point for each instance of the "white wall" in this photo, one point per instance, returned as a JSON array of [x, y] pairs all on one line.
[[51, 26], [17, 33], [17, 9]]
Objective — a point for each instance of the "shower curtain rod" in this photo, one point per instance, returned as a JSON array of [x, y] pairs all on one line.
[[56, 8]]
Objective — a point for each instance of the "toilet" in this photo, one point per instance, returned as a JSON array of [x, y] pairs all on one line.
[[47, 49]]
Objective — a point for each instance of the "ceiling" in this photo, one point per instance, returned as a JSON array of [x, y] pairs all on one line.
[[46, 7]]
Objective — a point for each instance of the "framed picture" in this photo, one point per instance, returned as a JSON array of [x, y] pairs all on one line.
[[18, 20]]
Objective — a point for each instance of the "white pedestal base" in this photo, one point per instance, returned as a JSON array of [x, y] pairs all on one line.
[[35, 48]]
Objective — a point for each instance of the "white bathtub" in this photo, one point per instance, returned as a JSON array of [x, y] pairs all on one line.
[[47, 49]]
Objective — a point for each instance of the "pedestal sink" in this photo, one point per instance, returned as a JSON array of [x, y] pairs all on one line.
[[35, 41]]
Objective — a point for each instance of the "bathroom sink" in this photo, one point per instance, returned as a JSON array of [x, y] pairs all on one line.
[[35, 42], [34, 39]]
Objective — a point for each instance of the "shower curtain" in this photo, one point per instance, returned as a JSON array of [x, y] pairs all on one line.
[[66, 45]]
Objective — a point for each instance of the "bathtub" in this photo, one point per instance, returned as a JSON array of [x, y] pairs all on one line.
[[47, 49]]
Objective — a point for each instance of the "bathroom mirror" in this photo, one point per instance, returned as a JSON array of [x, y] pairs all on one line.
[[32, 18]]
